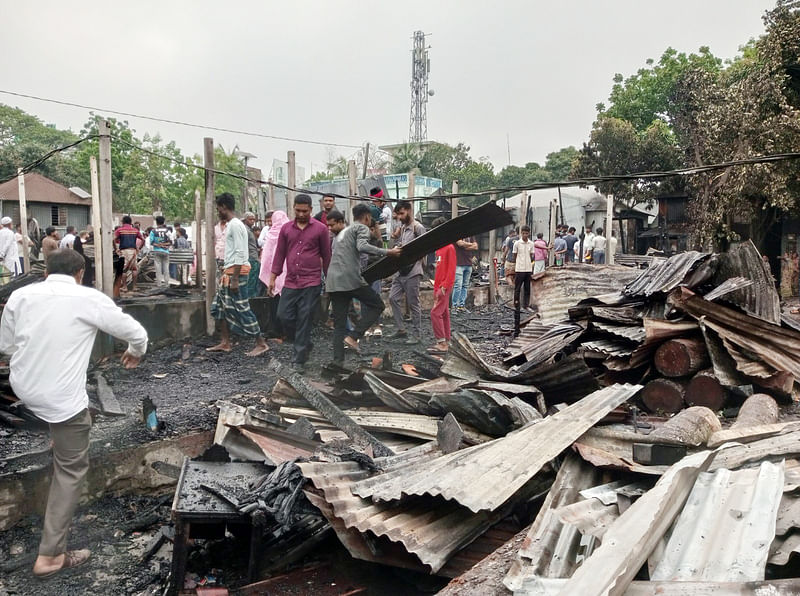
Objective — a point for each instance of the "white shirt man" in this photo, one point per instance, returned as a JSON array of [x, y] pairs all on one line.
[[588, 244], [523, 251], [48, 329], [9, 251]]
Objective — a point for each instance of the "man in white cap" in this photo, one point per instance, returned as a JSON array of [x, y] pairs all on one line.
[[9, 253]]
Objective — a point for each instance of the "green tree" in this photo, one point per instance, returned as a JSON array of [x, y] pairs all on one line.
[[194, 178], [750, 109], [559, 163], [407, 158], [25, 138], [647, 95]]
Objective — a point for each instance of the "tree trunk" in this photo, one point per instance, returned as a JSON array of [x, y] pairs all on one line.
[[692, 426], [681, 357], [664, 395], [705, 390], [757, 409]]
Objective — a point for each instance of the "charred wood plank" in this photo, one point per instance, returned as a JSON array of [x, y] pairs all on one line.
[[341, 420], [681, 357]]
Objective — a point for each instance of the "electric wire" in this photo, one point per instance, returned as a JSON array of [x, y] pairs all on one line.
[[179, 122]]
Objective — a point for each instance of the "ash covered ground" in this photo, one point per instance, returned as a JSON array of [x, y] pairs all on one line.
[[184, 381]]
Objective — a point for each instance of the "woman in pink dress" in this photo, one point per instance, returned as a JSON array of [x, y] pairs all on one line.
[[279, 219]]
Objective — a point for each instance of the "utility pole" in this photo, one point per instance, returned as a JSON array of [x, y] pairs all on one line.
[[271, 195], [609, 228], [105, 237], [211, 261], [492, 264], [454, 201], [412, 185], [351, 174], [292, 175], [96, 225], [23, 223], [551, 257], [366, 161], [198, 239]]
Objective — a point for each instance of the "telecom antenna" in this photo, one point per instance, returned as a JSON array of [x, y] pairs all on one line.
[[420, 67]]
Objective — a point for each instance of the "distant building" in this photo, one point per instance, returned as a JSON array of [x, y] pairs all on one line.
[[49, 202]]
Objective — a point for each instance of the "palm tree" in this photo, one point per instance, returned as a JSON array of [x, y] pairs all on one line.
[[407, 158]]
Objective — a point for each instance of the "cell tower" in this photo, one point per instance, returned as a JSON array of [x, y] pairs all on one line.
[[420, 67]]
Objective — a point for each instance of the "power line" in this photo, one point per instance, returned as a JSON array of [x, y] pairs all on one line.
[[178, 122], [40, 160]]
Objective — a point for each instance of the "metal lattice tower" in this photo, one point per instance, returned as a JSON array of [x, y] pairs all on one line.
[[420, 67]]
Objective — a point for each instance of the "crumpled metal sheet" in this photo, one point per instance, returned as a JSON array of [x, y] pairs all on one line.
[[770, 343], [560, 288], [608, 347], [634, 333], [551, 547], [489, 412], [503, 466], [759, 299], [488, 216], [726, 527], [432, 531], [664, 276]]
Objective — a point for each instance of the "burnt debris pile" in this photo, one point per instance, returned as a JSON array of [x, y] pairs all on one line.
[[642, 440]]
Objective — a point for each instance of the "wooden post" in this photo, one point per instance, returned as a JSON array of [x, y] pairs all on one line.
[[609, 228], [366, 160], [492, 266], [105, 237], [523, 209], [198, 239], [551, 257], [454, 201], [412, 185], [271, 195], [292, 181], [23, 222], [353, 190], [211, 261], [96, 225]]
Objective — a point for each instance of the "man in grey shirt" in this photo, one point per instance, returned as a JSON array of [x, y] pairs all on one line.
[[406, 282], [344, 280], [249, 220]]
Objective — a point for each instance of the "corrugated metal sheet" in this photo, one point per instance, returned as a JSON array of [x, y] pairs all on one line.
[[488, 216], [665, 275], [500, 467], [784, 548], [629, 332], [770, 343], [550, 549], [608, 347], [545, 347], [566, 380], [759, 299], [726, 527], [561, 288], [728, 286], [431, 531]]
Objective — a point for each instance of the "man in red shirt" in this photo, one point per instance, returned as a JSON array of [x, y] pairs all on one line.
[[442, 288], [127, 240], [305, 246]]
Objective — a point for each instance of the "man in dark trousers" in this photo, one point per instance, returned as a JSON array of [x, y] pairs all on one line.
[[406, 282], [305, 246], [49, 329], [344, 280]]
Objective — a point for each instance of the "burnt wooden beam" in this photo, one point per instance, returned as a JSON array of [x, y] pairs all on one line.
[[665, 395], [705, 390], [681, 357], [330, 410]]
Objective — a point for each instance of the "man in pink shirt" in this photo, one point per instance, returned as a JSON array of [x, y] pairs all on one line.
[[305, 246], [539, 253]]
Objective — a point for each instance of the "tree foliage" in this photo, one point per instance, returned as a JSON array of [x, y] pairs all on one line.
[[750, 109]]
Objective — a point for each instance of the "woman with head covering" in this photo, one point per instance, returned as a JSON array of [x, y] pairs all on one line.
[[279, 218]]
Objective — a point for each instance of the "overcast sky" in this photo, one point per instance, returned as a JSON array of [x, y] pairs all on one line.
[[339, 71]]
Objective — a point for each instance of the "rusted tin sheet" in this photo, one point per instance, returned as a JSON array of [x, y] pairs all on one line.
[[760, 298], [504, 465], [664, 276]]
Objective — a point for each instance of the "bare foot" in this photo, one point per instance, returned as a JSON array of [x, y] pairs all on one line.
[[277, 340], [352, 344], [222, 347], [48, 566], [258, 350]]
